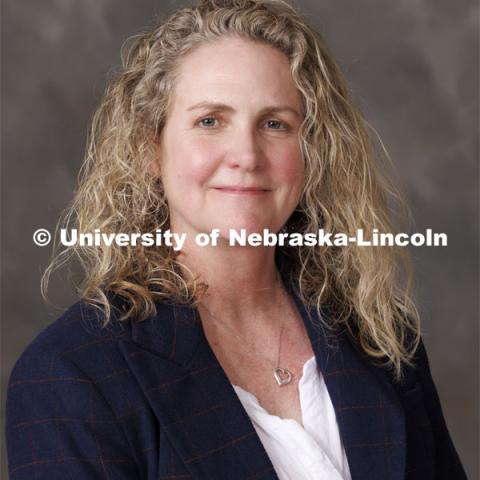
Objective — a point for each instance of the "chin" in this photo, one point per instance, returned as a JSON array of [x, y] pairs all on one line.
[[248, 227], [251, 222]]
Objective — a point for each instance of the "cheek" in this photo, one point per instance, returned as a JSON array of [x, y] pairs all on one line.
[[290, 168], [194, 164]]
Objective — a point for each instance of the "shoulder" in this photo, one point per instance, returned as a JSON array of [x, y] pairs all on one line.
[[426, 428], [64, 410], [77, 337]]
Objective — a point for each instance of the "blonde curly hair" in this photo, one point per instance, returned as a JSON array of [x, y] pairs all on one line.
[[345, 189]]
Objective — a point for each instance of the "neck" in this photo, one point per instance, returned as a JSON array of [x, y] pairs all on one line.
[[243, 282]]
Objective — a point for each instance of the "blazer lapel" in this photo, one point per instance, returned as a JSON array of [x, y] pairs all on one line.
[[208, 426], [369, 415], [193, 399]]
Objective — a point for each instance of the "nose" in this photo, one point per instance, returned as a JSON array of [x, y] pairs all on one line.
[[245, 149]]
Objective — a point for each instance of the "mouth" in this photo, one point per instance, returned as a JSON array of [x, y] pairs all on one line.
[[242, 190]]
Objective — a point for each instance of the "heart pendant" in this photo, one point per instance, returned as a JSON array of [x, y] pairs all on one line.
[[282, 376]]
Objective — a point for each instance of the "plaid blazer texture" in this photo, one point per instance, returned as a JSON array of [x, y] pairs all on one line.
[[149, 400]]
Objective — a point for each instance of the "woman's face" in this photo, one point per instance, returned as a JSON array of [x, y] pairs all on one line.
[[229, 154]]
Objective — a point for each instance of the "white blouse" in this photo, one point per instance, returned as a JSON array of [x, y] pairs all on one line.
[[313, 451]]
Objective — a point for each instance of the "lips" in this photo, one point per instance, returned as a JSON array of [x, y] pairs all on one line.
[[242, 190]]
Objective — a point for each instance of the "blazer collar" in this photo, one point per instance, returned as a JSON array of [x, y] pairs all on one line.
[[207, 425]]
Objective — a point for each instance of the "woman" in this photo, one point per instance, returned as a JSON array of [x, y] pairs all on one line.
[[227, 362]]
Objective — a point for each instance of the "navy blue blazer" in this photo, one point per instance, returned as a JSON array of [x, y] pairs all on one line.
[[149, 400]]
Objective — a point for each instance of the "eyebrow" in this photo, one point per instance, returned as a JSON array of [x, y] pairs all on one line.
[[217, 106]]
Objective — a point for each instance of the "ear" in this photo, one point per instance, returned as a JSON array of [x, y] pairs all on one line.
[[154, 164], [154, 167]]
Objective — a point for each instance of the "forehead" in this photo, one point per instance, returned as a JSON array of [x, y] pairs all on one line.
[[235, 70]]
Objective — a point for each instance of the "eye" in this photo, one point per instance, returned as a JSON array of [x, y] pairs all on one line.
[[207, 122], [276, 125]]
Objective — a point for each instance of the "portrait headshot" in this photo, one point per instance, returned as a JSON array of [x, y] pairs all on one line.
[[240, 240]]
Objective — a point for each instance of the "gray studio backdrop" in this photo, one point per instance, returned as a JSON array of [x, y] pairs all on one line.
[[412, 66]]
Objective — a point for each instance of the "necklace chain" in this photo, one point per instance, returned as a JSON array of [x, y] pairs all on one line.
[[282, 375]]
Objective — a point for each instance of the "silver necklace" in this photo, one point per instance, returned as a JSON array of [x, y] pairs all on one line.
[[282, 375]]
